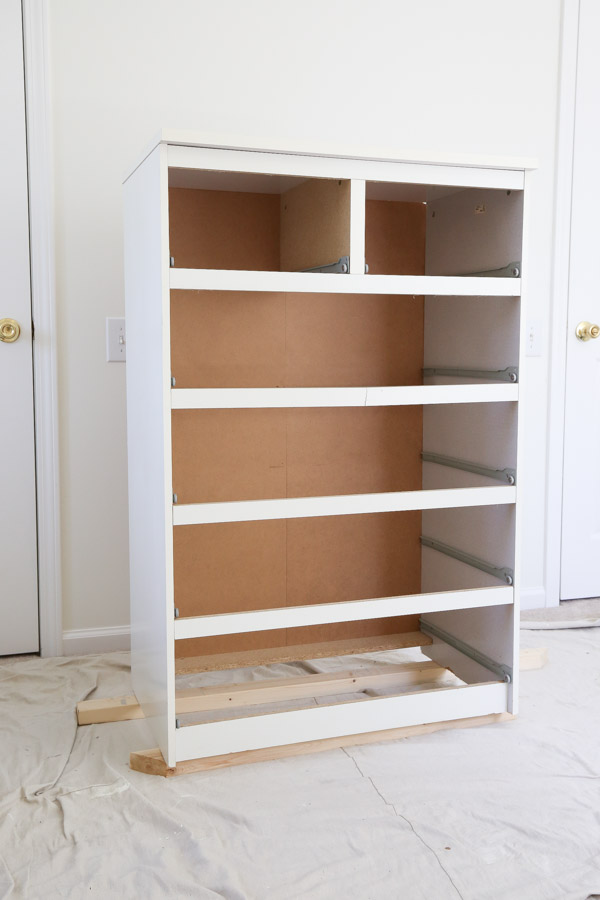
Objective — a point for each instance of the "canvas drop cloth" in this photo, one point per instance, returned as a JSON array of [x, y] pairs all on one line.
[[506, 812]]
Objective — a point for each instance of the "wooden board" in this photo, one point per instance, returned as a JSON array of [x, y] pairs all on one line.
[[275, 690], [532, 658], [109, 709], [119, 709], [315, 224], [268, 690], [151, 762]]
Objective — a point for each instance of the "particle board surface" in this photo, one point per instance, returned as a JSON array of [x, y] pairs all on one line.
[[294, 652], [533, 657], [230, 651]]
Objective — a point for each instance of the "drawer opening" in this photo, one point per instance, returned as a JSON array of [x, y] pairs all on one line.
[[228, 455], [270, 591], [432, 697], [245, 339], [255, 222], [414, 229]]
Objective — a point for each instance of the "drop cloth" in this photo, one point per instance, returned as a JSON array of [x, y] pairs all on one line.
[[506, 812]]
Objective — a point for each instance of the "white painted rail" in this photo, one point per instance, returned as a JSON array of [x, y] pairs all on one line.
[[326, 283], [350, 611], [342, 505], [353, 717], [409, 395]]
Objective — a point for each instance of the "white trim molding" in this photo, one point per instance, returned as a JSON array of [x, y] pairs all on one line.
[[533, 598], [560, 299], [43, 304], [82, 641]]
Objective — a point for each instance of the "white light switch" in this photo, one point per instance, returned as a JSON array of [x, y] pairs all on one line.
[[533, 338], [115, 340]]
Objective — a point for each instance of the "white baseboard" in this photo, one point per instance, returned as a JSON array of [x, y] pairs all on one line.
[[533, 598], [81, 641]]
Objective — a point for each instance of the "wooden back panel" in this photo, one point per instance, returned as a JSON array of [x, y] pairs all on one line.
[[395, 237], [268, 339], [223, 229], [231, 339], [315, 224]]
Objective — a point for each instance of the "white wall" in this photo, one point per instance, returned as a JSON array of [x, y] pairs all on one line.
[[463, 77]]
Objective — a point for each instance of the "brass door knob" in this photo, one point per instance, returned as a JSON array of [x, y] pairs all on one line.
[[9, 330], [585, 331]]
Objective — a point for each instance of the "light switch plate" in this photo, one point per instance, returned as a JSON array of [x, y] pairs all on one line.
[[115, 340]]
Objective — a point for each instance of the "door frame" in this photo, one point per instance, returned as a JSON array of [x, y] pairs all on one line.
[[557, 358], [43, 310]]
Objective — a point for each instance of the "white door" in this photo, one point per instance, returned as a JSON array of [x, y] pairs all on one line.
[[580, 564], [18, 553]]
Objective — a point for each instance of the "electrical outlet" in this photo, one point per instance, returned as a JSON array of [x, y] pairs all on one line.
[[115, 340], [533, 338]]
